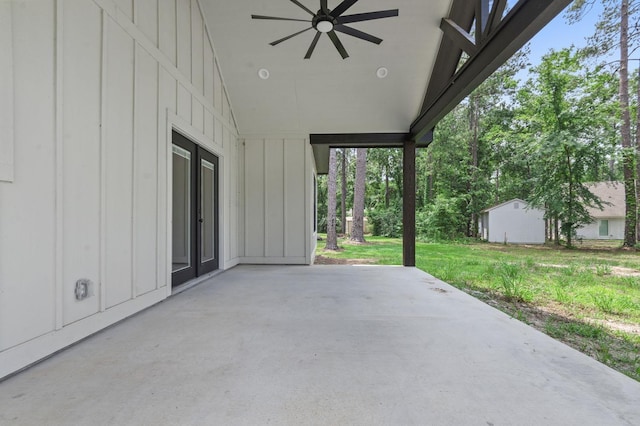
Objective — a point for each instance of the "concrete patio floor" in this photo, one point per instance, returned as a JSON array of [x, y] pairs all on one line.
[[325, 345]]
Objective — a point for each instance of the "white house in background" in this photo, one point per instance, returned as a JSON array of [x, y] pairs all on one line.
[[512, 222], [148, 144], [609, 222]]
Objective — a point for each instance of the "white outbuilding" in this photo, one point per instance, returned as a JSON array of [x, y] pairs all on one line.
[[512, 222]]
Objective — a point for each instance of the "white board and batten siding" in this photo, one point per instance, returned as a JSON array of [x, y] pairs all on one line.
[[97, 87], [278, 201], [513, 222]]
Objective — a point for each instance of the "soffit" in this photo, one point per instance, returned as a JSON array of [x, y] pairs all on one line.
[[325, 94]]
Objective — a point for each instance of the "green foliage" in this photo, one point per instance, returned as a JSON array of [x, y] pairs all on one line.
[[602, 270], [442, 220], [322, 223], [386, 222], [556, 116]]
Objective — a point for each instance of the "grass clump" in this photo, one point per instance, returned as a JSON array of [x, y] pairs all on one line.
[[511, 282]]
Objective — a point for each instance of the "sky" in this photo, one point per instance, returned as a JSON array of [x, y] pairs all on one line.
[[559, 34]]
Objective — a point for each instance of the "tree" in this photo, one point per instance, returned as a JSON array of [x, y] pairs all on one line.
[[332, 239], [357, 229], [627, 153], [557, 113], [343, 191], [613, 31]]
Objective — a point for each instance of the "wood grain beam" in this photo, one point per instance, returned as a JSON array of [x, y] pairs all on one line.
[[521, 23]]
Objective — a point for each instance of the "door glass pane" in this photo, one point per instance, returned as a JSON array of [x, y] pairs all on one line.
[[604, 228], [207, 211], [181, 209]]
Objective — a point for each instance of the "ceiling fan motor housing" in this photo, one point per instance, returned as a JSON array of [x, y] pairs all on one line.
[[323, 22]]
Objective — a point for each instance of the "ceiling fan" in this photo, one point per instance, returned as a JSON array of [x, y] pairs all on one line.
[[326, 21]]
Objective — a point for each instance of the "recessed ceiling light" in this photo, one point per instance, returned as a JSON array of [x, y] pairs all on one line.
[[382, 72], [263, 73]]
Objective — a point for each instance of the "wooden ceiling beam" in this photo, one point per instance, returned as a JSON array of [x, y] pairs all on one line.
[[449, 85]]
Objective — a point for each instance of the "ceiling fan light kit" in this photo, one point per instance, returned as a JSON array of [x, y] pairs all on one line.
[[326, 21]]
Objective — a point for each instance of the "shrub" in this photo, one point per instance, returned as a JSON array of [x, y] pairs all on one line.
[[442, 220], [386, 222]]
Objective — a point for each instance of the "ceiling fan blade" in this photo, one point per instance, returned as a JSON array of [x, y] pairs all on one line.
[[342, 7], [357, 33], [313, 45], [275, 18], [323, 6], [359, 17], [336, 42], [303, 7], [273, 43]]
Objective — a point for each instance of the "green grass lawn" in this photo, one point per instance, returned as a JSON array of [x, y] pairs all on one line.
[[588, 297]]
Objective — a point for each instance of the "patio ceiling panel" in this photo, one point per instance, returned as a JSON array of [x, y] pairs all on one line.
[[325, 94]]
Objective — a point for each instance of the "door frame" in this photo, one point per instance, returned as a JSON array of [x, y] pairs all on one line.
[[198, 153]]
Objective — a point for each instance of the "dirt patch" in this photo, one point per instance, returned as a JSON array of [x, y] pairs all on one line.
[[538, 316], [616, 271], [323, 260], [619, 271]]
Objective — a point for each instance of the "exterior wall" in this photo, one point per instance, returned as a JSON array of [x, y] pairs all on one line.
[[97, 87], [521, 225], [278, 204], [592, 230]]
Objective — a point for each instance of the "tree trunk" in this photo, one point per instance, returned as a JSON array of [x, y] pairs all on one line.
[[556, 230], [497, 197], [332, 238], [638, 154], [431, 176], [343, 189], [570, 214], [625, 130], [387, 195], [357, 228], [474, 123], [546, 230]]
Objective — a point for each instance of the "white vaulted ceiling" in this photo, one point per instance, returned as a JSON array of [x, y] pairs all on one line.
[[325, 94]]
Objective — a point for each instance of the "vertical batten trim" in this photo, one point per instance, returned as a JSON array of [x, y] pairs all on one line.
[[310, 179], [265, 199], [134, 179], [158, 181], [191, 34], [246, 197], [191, 54], [168, 129], [7, 142], [103, 166], [284, 199], [59, 170], [203, 42], [134, 17], [158, 29]]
